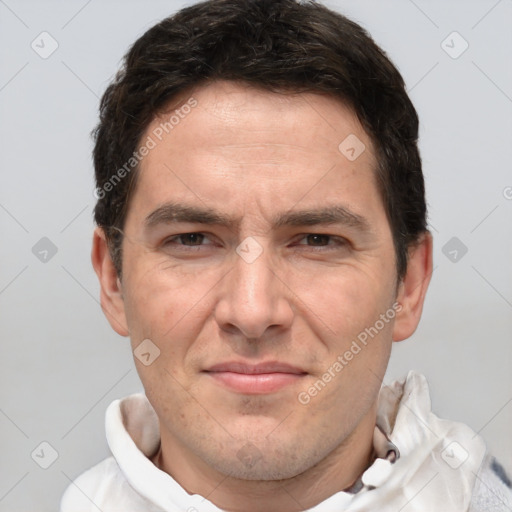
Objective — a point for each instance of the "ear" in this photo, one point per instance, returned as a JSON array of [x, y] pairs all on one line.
[[413, 288], [111, 296]]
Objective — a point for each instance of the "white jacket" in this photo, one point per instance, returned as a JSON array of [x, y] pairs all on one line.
[[439, 465]]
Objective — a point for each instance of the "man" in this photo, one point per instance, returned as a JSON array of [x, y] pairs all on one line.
[[262, 241]]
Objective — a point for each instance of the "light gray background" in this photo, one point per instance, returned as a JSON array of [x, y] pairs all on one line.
[[61, 364]]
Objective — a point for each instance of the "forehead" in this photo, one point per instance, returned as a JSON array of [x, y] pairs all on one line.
[[231, 144], [229, 113]]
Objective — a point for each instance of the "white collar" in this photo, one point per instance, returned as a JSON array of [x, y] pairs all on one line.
[[430, 470]]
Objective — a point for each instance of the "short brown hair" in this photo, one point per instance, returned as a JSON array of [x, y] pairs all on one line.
[[275, 45]]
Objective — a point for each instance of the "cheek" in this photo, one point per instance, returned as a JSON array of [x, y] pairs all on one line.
[[169, 309], [166, 304], [357, 336], [345, 301]]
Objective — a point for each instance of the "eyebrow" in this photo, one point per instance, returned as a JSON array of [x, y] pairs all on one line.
[[336, 214], [176, 212]]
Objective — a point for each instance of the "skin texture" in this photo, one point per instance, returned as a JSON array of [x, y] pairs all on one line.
[[252, 156]]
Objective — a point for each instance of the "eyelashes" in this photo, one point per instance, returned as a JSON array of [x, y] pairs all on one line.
[[196, 240]]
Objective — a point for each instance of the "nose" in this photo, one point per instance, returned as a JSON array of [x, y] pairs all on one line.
[[253, 299]]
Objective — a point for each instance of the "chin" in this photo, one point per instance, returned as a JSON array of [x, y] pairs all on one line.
[[264, 457], [264, 467]]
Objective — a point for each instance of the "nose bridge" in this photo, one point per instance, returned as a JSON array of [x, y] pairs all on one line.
[[253, 298], [252, 281]]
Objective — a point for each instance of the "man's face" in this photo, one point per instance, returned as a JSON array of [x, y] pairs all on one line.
[[255, 253]]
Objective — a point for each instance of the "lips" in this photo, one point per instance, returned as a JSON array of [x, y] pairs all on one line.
[[262, 378]]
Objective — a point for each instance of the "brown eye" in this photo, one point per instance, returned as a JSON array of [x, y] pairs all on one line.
[[321, 242], [191, 238], [317, 240]]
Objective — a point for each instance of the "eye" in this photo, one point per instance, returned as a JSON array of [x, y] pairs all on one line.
[[191, 238], [187, 239], [321, 240], [317, 240]]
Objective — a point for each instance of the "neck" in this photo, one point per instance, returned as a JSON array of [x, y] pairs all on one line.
[[336, 472]]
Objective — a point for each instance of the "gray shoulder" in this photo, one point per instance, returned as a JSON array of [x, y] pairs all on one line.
[[493, 488]]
